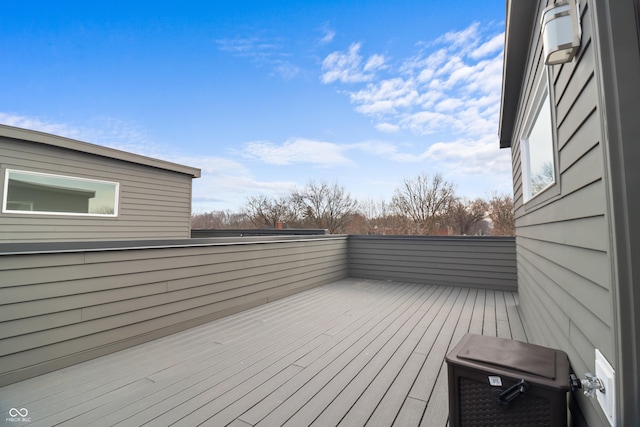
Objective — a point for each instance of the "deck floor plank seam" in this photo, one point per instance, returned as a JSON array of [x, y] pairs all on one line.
[[204, 362], [393, 399], [386, 365], [425, 384], [331, 363], [437, 410], [203, 412], [138, 417], [362, 409], [373, 358], [515, 321], [269, 403]]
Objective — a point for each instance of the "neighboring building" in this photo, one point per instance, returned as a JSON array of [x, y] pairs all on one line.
[[96, 255], [59, 189], [574, 133]]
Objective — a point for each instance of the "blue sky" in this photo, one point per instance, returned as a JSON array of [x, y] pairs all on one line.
[[267, 95]]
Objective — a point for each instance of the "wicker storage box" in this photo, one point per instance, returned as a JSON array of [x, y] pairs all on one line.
[[502, 382]]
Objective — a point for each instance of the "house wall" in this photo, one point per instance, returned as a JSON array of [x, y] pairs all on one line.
[[154, 203], [72, 304], [478, 262], [563, 246], [617, 27]]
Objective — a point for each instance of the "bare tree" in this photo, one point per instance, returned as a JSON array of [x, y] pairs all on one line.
[[358, 224], [203, 220], [465, 215], [376, 214], [502, 215], [325, 206], [265, 212], [219, 220], [424, 201]]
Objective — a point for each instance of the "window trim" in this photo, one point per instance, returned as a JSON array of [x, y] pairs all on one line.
[[5, 195], [543, 86]]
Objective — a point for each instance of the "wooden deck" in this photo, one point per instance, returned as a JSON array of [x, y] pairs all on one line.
[[350, 353]]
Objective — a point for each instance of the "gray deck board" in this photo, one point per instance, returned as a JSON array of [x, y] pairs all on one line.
[[353, 352], [329, 367]]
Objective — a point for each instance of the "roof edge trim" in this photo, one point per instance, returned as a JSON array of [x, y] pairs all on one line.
[[520, 21], [98, 150]]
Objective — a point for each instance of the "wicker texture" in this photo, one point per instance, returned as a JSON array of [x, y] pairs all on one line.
[[479, 407]]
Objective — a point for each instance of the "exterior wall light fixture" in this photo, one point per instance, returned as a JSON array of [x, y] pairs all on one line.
[[561, 32]]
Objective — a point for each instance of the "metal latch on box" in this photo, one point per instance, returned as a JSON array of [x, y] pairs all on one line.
[[513, 392]]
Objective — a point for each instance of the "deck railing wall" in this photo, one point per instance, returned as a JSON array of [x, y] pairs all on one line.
[[476, 262], [62, 304]]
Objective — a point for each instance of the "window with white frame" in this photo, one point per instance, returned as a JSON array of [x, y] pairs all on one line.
[[41, 193], [536, 144]]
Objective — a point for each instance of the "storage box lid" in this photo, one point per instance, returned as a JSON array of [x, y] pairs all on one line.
[[510, 354], [513, 358]]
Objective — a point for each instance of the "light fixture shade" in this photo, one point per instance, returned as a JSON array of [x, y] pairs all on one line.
[[561, 32]]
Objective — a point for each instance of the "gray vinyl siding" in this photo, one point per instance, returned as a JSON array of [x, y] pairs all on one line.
[[618, 67], [154, 203], [59, 309], [486, 262], [563, 244]]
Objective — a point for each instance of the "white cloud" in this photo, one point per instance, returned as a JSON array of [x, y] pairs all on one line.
[[387, 151], [464, 155], [493, 45], [328, 35], [261, 50], [216, 166], [285, 69], [41, 125], [487, 77], [248, 46], [471, 157], [452, 84], [387, 127], [463, 159], [297, 150], [385, 97], [226, 184], [448, 92], [463, 39], [449, 104], [374, 62], [347, 67], [378, 148], [108, 131], [428, 122]]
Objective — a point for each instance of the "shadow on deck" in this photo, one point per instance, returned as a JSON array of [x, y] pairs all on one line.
[[351, 353]]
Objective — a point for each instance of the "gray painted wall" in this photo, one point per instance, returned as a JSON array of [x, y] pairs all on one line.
[[477, 262], [70, 305], [563, 245], [154, 203], [618, 33]]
